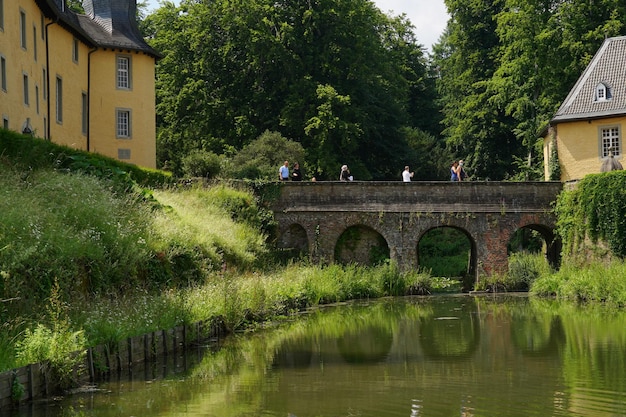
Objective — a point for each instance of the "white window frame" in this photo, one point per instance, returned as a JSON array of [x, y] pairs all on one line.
[[602, 93], [123, 71], [610, 137], [123, 123]]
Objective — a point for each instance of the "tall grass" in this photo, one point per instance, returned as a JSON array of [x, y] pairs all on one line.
[[597, 282], [68, 228]]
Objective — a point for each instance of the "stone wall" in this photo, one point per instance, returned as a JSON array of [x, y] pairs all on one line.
[[488, 213]]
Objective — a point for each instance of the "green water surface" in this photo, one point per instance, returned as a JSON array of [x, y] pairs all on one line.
[[438, 356]]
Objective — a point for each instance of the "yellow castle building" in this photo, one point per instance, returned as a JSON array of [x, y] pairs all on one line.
[[587, 130], [80, 80]]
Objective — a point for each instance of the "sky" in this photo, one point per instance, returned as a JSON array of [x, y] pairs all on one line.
[[428, 16]]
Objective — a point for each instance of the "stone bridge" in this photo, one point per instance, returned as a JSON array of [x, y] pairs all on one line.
[[350, 221]]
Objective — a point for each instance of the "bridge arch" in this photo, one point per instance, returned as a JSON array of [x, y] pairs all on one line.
[[450, 256], [551, 242], [295, 237], [361, 244]]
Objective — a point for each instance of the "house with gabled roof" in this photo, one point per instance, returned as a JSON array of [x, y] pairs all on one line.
[[589, 126], [80, 80]]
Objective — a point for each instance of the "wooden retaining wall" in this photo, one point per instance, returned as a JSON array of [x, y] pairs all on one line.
[[32, 382]]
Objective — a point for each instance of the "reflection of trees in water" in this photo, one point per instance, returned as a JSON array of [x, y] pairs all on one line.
[[238, 379], [294, 353], [369, 345], [538, 335], [449, 334]]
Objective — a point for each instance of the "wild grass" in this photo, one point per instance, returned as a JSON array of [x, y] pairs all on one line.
[[597, 282], [524, 269], [128, 263]]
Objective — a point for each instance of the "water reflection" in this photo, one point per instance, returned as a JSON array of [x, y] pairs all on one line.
[[422, 356]]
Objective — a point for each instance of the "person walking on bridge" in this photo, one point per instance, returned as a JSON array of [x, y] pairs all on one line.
[[345, 174], [454, 171], [406, 175], [283, 172]]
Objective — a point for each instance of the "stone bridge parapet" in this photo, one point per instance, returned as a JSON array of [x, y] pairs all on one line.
[[312, 216]]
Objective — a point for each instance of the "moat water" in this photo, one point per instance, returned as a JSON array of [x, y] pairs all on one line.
[[440, 356]]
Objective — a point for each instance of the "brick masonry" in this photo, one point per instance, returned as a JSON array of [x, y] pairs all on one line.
[[312, 216]]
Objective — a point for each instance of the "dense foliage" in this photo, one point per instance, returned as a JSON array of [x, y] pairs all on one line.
[[353, 85], [595, 210], [338, 77]]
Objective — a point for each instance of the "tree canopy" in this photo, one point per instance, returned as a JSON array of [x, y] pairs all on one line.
[[354, 86]]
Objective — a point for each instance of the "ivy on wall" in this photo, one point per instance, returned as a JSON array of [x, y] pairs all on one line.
[[554, 165], [594, 209]]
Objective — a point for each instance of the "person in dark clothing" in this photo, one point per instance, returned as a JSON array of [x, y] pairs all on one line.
[[296, 175]]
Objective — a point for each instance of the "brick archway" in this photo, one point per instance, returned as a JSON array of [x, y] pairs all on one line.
[[488, 212]]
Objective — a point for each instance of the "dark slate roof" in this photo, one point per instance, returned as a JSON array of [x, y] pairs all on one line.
[[608, 66], [111, 26]]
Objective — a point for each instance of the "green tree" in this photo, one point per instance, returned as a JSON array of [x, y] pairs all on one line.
[[466, 56], [235, 69], [261, 158]]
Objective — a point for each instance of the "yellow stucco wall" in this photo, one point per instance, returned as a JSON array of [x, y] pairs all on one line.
[[20, 61], [139, 99], [579, 146], [73, 76], [104, 97]]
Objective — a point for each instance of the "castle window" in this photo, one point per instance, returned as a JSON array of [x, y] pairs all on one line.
[[35, 42], [123, 154], [85, 112], [26, 95], [610, 141], [603, 92], [123, 72], [123, 126], [59, 101], [44, 83], [23, 29], [75, 51], [3, 73]]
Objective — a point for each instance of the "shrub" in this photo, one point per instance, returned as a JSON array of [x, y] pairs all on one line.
[[200, 163]]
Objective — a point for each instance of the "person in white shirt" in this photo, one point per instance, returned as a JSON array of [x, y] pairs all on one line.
[[406, 175], [283, 172]]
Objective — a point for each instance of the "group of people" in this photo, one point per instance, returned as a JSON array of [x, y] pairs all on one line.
[[457, 173], [296, 174], [283, 172]]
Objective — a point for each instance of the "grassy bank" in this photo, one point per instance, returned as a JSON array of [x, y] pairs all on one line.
[[89, 256]]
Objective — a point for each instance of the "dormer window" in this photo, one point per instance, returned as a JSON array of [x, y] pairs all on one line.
[[603, 92]]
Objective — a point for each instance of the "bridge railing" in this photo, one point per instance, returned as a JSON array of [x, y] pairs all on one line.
[[435, 196]]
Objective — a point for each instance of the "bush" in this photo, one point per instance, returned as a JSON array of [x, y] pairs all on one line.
[[261, 158], [200, 163]]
